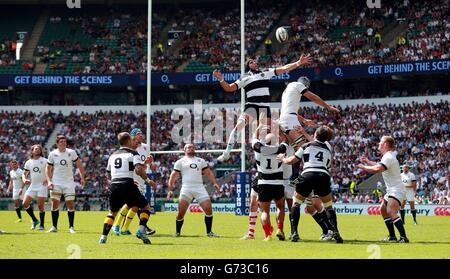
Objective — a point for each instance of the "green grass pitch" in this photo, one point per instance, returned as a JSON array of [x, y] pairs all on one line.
[[429, 239]]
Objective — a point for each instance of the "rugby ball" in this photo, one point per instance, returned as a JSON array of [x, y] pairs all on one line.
[[281, 34]]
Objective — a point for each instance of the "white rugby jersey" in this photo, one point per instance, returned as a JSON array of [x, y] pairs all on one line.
[[290, 100], [121, 164], [316, 156], [391, 175], [16, 178], [62, 163], [270, 170], [37, 172], [191, 169], [408, 179], [256, 87], [144, 151]]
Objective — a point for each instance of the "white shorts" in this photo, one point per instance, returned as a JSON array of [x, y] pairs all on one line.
[[16, 195], [34, 193], [288, 122], [410, 196], [199, 193], [253, 193], [288, 190], [399, 194], [66, 190]]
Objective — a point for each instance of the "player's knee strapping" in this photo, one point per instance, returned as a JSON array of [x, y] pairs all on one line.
[[55, 195]]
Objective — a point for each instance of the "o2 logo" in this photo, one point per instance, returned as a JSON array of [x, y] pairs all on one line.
[[372, 4], [71, 4]]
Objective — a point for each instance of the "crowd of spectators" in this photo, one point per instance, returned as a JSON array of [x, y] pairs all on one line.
[[421, 132], [427, 35]]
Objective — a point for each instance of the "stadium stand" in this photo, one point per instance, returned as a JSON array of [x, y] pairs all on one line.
[[421, 131]]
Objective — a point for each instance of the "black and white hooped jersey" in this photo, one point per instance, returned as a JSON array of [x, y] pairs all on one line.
[[121, 164], [256, 87], [270, 170], [316, 156]]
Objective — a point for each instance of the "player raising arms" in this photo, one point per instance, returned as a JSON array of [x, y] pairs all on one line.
[[290, 104], [191, 168], [395, 190], [34, 175], [16, 186], [316, 156], [256, 87], [59, 172], [122, 165]]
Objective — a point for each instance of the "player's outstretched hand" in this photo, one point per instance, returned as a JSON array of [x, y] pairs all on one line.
[[217, 74], [360, 166], [280, 157], [304, 60], [334, 109], [364, 160]]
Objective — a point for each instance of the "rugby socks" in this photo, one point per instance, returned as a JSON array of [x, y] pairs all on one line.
[[19, 213], [332, 217], [402, 215], [252, 217], [267, 229], [55, 217], [42, 217], [179, 224], [324, 218], [399, 225], [71, 215], [295, 217], [208, 223], [291, 221], [30, 212], [390, 227], [319, 220], [129, 218], [233, 139], [121, 216], [107, 224], [414, 214]]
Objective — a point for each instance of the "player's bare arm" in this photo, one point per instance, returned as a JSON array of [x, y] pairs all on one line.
[[25, 179], [304, 60], [82, 171], [49, 176], [172, 179], [372, 169], [140, 170], [316, 99], [287, 160], [366, 161], [225, 85], [210, 175]]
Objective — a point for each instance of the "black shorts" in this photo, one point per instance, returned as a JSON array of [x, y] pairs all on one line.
[[267, 193], [125, 192], [317, 181], [254, 111]]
